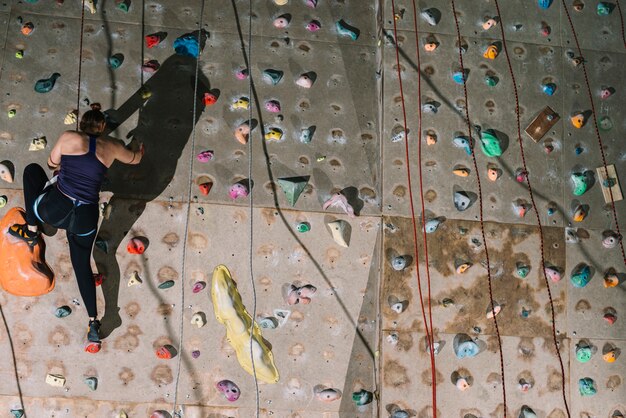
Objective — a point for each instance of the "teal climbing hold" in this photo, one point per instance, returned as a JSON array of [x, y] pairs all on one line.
[[273, 76], [581, 183], [491, 81], [605, 123], [92, 382], [467, 348], [581, 276], [490, 144], [123, 5], [17, 413], [544, 4], [587, 386], [166, 284], [188, 44], [464, 143], [522, 271], [46, 84], [345, 29], [116, 60], [583, 353], [362, 397], [62, 311], [604, 9], [293, 187]]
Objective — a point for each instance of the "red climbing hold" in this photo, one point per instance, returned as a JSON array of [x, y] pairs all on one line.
[[93, 347], [98, 279], [205, 188], [136, 246], [610, 317], [209, 99], [155, 39], [165, 352]]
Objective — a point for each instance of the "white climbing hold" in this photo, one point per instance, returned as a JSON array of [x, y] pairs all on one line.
[[5, 173], [198, 319], [432, 225], [340, 231], [134, 279], [55, 380]]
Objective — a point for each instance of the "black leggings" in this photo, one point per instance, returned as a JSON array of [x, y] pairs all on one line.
[[79, 220]]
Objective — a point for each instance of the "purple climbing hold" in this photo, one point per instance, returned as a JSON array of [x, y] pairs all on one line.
[[195, 353], [229, 389], [205, 156], [272, 106]]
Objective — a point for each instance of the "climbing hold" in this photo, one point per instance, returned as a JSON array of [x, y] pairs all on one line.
[[281, 2], [160, 414], [19, 54], [273, 134], [166, 352], [166, 284], [399, 263], [209, 99], [98, 279], [578, 120], [586, 386], [238, 190], [490, 144], [544, 4], [462, 266], [205, 187], [398, 134], [293, 187], [205, 156], [136, 246], [145, 92], [583, 352], [242, 332], [123, 5], [460, 76], [581, 275], [491, 80], [461, 171], [11, 113], [580, 213], [549, 88], [242, 133], [134, 279], [38, 144], [362, 397], [345, 29], [70, 117], [55, 380], [461, 383], [463, 143], [91, 6], [150, 66], [610, 356], [609, 240], [522, 270], [3, 201], [268, 323], [198, 287], [62, 311], [431, 46], [313, 26], [610, 278], [303, 227], [606, 92], [338, 200], [553, 274], [493, 173], [272, 106], [610, 316], [187, 45], [311, 3], [195, 353], [116, 60], [155, 39], [491, 52], [306, 135], [429, 16], [493, 310], [521, 175], [521, 208], [229, 389], [198, 319], [340, 231], [581, 182], [462, 201], [429, 108], [17, 413], [398, 307], [400, 414], [282, 21], [326, 394], [241, 73], [604, 8], [431, 138], [91, 382], [464, 346], [27, 28], [432, 225], [46, 84], [526, 411], [306, 80], [5, 173], [545, 30], [489, 23], [241, 104], [273, 76], [605, 123]]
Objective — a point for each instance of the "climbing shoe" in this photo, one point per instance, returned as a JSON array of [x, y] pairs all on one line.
[[93, 333], [22, 232]]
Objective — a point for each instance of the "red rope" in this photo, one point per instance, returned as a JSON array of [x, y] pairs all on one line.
[[621, 21], [595, 125], [414, 221], [532, 199], [480, 201], [80, 60]]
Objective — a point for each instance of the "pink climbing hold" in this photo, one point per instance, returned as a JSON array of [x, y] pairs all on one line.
[[340, 201], [150, 66], [160, 414], [198, 287], [281, 22], [304, 81], [313, 26], [205, 156], [521, 175], [229, 389], [272, 106], [241, 74], [553, 274], [606, 92], [237, 190], [311, 3]]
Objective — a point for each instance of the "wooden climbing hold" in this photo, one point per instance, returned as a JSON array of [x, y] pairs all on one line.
[[609, 183], [542, 123]]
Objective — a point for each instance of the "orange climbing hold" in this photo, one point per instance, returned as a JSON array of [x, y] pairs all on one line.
[[165, 352], [93, 347], [578, 120], [136, 246], [430, 46], [205, 188], [23, 271], [491, 52]]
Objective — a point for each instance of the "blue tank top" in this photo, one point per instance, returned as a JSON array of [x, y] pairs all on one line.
[[81, 176]]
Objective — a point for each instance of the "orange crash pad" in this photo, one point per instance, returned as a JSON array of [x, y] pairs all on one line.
[[23, 272]]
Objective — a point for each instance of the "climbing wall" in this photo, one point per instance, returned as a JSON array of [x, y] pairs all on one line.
[[357, 347]]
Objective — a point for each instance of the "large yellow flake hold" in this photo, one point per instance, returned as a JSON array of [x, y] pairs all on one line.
[[230, 311]]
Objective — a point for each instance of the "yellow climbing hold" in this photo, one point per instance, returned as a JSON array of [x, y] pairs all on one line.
[[491, 52], [242, 103], [230, 311], [462, 268], [273, 134]]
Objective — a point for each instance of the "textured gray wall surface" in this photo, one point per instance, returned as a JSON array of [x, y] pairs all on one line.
[[364, 326]]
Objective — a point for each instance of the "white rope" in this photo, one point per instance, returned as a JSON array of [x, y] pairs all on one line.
[[175, 413], [251, 204]]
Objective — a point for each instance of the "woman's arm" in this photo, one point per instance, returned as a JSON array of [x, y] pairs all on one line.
[[54, 160], [126, 155]]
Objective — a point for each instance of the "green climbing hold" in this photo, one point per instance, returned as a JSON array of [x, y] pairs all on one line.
[[580, 183], [166, 284], [604, 9], [491, 81], [116, 60], [303, 227], [62, 311], [605, 123], [587, 386], [46, 84], [490, 144], [362, 397], [92, 382], [583, 353], [581, 276], [522, 271], [17, 413], [123, 5], [293, 187]]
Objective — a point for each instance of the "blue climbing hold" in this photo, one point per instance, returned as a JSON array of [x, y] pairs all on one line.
[[46, 84], [464, 143], [466, 349], [544, 4], [459, 77], [549, 88], [586, 386], [581, 276], [187, 45]]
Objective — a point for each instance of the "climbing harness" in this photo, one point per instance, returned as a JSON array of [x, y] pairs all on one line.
[[428, 325], [532, 200], [176, 413], [480, 206], [595, 125]]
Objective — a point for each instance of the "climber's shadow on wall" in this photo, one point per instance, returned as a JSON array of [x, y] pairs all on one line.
[[164, 126]]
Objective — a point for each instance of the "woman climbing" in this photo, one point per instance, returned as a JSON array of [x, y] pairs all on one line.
[[70, 200]]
